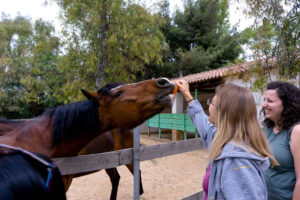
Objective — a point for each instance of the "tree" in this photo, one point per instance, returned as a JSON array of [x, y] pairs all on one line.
[[166, 68], [200, 37], [43, 80], [275, 35], [14, 36], [107, 40], [28, 59]]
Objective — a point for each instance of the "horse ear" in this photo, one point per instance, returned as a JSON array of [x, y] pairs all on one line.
[[89, 95]]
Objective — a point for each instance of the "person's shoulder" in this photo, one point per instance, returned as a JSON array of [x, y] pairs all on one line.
[[296, 130], [295, 138], [232, 149], [295, 134], [238, 150]]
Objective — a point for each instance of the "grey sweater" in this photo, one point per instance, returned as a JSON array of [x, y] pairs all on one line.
[[238, 172]]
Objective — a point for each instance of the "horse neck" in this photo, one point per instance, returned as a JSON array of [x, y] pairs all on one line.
[[31, 135], [72, 148], [75, 146], [5, 128]]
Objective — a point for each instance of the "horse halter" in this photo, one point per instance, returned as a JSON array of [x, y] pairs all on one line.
[[6, 149]]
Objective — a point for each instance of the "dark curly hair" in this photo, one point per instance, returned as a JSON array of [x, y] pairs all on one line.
[[289, 95]]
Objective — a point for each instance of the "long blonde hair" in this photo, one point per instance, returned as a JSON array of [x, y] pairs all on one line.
[[237, 121]]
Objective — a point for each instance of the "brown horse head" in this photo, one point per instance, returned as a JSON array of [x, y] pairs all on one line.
[[66, 129], [127, 106]]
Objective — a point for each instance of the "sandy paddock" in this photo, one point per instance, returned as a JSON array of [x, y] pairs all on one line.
[[172, 177]]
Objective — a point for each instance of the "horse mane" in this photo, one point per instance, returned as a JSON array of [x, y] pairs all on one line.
[[73, 120], [105, 91]]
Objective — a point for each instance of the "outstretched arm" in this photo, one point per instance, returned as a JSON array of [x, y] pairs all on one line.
[[204, 127], [184, 88]]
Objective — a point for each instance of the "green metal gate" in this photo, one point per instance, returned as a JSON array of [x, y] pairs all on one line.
[[181, 122]]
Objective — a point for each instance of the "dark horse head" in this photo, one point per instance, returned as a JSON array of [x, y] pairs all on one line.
[[28, 176]]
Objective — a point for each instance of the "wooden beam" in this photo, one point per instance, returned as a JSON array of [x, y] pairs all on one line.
[[206, 84], [94, 162], [196, 196], [172, 148]]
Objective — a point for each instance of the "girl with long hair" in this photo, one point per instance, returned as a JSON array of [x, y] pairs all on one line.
[[238, 149]]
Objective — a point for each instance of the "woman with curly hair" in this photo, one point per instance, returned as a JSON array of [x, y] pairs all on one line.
[[281, 109]]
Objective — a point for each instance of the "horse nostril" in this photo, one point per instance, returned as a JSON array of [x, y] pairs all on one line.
[[163, 82]]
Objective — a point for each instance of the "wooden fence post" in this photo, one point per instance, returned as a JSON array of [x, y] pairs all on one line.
[[136, 164]]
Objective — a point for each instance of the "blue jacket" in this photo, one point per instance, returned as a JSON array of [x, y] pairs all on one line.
[[204, 127], [238, 172]]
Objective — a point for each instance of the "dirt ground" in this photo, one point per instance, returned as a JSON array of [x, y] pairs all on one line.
[[168, 178]]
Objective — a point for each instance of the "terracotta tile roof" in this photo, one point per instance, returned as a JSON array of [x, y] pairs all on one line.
[[217, 73]]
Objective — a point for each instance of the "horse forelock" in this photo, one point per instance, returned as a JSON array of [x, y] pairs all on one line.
[[73, 121], [105, 91]]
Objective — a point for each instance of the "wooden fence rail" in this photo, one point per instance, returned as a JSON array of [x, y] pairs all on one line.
[[94, 162], [196, 196]]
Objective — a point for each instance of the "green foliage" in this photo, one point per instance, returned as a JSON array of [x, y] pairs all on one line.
[[275, 35], [43, 78], [29, 73], [110, 37], [108, 41], [133, 42], [200, 37]]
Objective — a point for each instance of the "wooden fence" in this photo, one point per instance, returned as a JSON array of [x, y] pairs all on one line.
[[93, 162]]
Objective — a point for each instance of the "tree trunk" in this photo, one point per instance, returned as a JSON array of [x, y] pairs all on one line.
[[102, 44]]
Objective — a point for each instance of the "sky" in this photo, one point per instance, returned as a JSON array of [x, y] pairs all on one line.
[[36, 9]]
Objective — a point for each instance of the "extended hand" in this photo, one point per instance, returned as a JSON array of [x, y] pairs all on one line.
[[184, 88]]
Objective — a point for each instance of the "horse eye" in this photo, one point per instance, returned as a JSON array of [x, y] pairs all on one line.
[[117, 94], [162, 81]]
